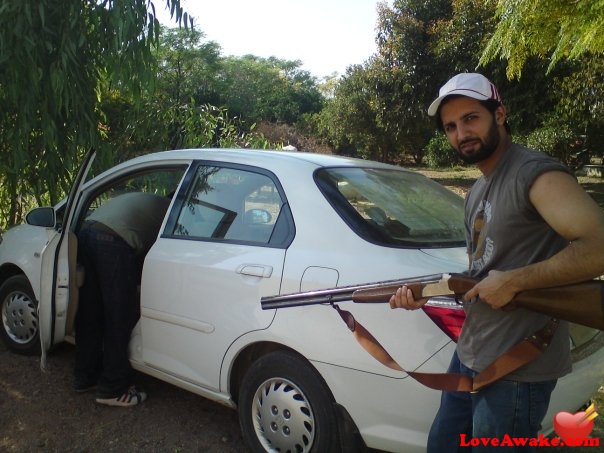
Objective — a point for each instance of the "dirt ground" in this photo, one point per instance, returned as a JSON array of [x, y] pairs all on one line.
[[39, 412]]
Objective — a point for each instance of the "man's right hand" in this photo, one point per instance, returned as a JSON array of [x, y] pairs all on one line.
[[403, 298]]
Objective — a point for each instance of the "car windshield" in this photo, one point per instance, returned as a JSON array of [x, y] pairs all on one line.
[[394, 207]]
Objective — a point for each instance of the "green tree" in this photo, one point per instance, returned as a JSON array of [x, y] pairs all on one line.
[[580, 95], [186, 75], [267, 89], [57, 58], [177, 111], [421, 44], [188, 66], [382, 104], [458, 38], [552, 29], [410, 71], [350, 116], [567, 95]]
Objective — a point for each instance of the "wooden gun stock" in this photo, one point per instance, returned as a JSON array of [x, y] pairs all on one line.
[[581, 303]]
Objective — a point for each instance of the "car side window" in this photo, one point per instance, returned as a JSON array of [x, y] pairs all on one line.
[[162, 182], [229, 204], [394, 208]]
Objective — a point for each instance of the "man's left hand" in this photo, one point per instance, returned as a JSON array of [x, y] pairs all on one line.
[[496, 289]]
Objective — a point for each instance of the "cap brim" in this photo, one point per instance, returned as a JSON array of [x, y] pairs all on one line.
[[468, 93]]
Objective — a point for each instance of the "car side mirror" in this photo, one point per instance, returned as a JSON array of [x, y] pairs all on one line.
[[42, 217], [257, 216]]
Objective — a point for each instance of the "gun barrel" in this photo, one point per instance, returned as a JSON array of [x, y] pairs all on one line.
[[298, 300], [332, 295]]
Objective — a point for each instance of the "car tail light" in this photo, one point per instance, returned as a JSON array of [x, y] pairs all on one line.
[[447, 315]]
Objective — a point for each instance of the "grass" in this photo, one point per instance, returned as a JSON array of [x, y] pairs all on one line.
[[460, 179]]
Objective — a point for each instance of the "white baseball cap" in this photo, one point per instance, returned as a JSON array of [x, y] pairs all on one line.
[[470, 84]]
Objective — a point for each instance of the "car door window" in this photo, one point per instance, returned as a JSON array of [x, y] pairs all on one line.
[[162, 182], [230, 204]]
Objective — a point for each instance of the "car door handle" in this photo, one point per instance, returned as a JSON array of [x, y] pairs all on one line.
[[256, 270]]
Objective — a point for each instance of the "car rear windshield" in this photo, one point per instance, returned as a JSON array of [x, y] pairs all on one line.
[[394, 207]]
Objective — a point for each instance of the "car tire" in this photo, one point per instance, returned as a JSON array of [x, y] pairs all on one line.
[[284, 405], [19, 315]]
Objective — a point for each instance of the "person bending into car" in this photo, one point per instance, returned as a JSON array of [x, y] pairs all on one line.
[[112, 244], [529, 225]]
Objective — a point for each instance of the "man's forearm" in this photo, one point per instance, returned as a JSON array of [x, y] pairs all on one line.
[[581, 260]]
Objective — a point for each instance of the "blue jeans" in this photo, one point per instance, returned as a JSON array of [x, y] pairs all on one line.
[[503, 408], [108, 310]]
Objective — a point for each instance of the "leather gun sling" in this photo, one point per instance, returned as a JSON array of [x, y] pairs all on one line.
[[528, 349]]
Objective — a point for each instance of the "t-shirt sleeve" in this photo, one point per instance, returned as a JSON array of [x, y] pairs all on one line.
[[532, 169]]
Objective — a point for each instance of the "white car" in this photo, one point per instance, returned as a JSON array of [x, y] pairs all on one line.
[[247, 224]]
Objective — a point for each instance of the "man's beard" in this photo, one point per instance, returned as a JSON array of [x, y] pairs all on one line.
[[487, 147]]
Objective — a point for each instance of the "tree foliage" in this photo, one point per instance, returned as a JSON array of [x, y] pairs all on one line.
[[203, 99], [56, 59], [420, 45], [80, 73], [546, 29], [187, 67], [269, 89], [352, 116]]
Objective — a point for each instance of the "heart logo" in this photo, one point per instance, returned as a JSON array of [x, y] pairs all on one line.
[[573, 428]]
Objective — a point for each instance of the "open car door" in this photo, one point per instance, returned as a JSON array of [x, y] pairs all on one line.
[[57, 277]]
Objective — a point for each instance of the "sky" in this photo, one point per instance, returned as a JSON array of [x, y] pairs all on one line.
[[326, 35]]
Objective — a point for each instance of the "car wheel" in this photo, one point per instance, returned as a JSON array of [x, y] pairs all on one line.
[[284, 405], [19, 311]]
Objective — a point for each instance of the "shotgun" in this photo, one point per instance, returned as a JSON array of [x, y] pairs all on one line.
[[581, 303]]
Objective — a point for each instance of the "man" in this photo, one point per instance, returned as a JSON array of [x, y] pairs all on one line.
[[528, 225], [112, 244]]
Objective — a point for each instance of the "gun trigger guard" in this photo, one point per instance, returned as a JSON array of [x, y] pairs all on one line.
[[459, 301]]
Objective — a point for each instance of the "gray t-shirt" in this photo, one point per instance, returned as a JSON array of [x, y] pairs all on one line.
[[505, 231], [135, 216]]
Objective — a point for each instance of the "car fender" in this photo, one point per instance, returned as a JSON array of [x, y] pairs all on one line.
[[27, 259]]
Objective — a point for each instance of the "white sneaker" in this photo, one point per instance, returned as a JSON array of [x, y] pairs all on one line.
[[130, 397]]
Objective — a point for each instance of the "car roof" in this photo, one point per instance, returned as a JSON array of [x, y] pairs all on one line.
[[255, 156]]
